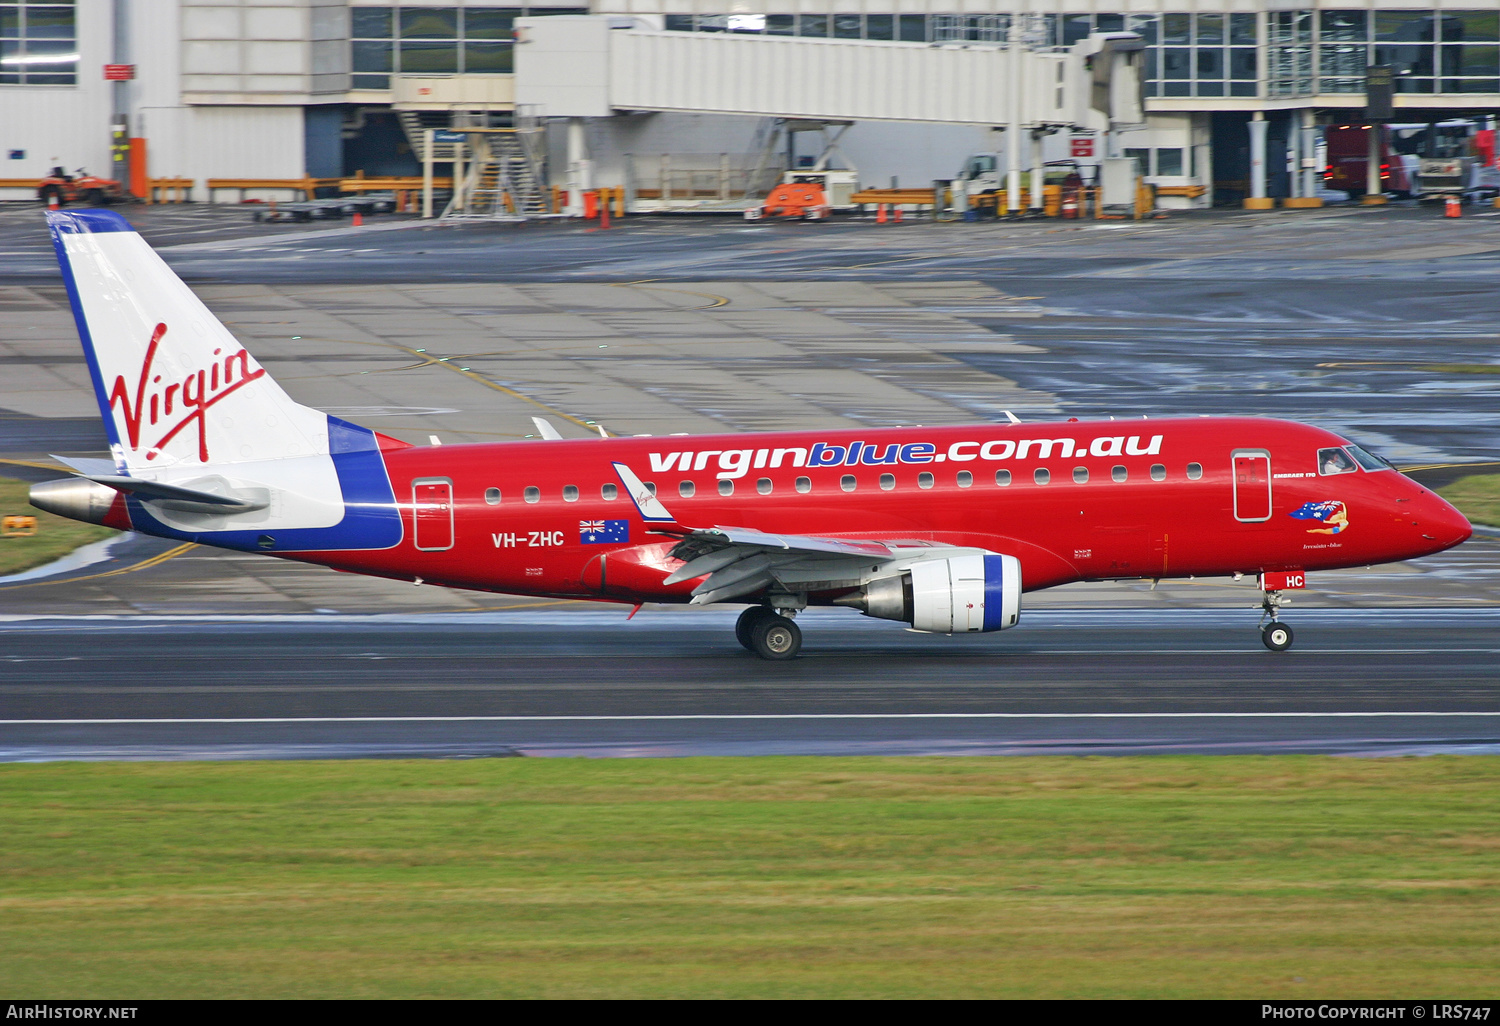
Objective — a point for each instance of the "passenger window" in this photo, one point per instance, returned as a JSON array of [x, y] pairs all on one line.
[[925, 480], [847, 482], [804, 485], [1158, 472], [1119, 474], [686, 489], [726, 487], [763, 486], [887, 482], [1195, 471], [609, 492], [1335, 461], [650, 486], [1080, 475], [1002, 478], [570, 493], [492, 496], [965, 479], [533, 494], [1042, 475]]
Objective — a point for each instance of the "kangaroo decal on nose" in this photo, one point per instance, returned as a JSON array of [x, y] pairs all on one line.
[[157, 403], [1331, 514]]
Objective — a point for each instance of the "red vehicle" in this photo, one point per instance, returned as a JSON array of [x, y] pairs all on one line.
[[939, 528], [1349, 160], [84, 188]]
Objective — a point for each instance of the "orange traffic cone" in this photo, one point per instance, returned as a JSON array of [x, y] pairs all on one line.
[[1453, 207], [51, 201], [880, 213], [359, 219], [896, 213]]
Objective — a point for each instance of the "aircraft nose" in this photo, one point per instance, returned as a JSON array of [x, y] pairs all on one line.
[[1443, 523]]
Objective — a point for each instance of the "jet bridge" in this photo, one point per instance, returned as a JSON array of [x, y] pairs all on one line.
[[595, 66]]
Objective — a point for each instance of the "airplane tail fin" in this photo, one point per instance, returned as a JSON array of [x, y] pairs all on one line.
[[174, 386], [205, 446]]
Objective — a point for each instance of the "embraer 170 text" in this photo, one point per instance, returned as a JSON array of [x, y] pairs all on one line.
[[939, 528]]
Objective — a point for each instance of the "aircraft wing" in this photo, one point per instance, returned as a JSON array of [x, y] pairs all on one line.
[[741, 561]]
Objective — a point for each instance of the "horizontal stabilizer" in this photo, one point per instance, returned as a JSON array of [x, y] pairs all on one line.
[[88, 466], [189, 499]]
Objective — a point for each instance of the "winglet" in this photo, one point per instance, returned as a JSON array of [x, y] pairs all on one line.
[[545, 428], [1011, 417], [649, 506]]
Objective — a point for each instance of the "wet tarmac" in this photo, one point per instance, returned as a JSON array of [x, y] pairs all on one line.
[[1379, 324], [675, 683]]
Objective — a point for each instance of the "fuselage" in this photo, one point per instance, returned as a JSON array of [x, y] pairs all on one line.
[[1072, 501]]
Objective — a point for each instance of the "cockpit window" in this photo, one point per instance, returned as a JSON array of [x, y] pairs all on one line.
[[1369, 460], [1335, 461]]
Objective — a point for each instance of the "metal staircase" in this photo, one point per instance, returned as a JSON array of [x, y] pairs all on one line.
[[505, 179], [504, 174]]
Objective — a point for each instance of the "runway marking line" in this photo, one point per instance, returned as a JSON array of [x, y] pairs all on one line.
[[145, 564], [680, 717]]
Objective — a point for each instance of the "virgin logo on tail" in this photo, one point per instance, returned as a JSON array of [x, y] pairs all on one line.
[[171, 407]]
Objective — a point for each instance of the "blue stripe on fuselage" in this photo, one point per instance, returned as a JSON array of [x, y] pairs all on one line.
[[371, 519]]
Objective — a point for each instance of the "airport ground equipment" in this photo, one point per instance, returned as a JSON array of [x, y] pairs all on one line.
[[327, 209], [60, 188], [801, 200]]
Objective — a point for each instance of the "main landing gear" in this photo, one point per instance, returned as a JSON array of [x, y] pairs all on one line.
[[768, 634], [1275, 635]]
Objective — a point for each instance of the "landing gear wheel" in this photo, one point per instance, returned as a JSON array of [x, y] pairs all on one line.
[[776, 637], [1276, 636], [744, 627]]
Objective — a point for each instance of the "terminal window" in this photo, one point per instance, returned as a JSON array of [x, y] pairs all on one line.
[[434, 41], [1431, 51], [38, 44]]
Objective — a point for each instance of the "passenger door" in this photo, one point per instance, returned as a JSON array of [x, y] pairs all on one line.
[[432, 513], [1252, 485]]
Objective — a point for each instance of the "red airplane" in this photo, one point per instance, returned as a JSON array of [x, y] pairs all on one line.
[[939, 528]]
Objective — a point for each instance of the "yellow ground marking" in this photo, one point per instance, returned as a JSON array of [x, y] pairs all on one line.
[[1449, 466], [145, 564], [40, 466], [642, 284], [429, 360]]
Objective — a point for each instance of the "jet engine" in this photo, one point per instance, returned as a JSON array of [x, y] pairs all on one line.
[[76, 498], [957, 595]]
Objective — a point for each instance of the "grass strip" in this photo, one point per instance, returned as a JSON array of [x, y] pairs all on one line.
[[759, 877], [55, 536], [1477, 497]]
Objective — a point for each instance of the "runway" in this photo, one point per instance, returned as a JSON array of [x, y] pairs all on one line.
[[1378, 324], [675, 683]]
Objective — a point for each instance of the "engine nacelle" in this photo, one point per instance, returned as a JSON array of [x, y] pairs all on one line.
[[957, 595], [75, 498]]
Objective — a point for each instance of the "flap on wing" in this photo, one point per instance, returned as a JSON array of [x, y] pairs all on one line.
[[740, 562]]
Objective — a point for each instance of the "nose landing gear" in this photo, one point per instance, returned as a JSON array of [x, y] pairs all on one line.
[[768, 634], [1275, 635]]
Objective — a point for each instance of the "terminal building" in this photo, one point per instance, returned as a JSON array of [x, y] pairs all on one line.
[[282, 89]]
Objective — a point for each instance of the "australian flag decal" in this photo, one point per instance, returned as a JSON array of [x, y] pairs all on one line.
[[603, 532]]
